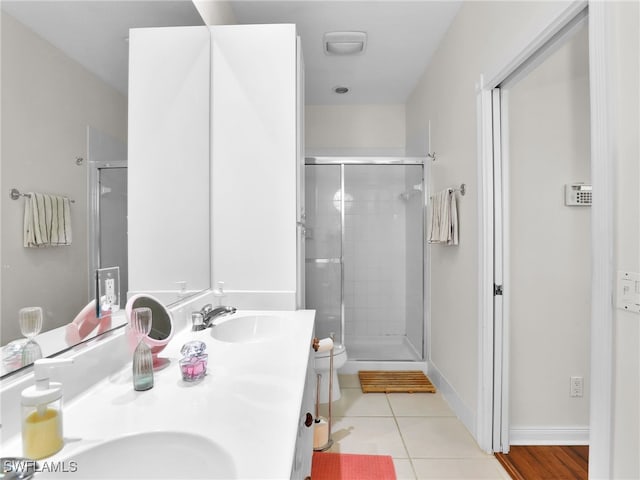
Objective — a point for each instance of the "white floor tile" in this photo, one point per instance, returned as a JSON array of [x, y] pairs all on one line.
[[367, 435], [354, 403], [404, 469], [419, 405], [420, 432], [437, 437], [349, 381], [459, 469]]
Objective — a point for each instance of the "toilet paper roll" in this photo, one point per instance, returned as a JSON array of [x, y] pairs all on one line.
[[325, 345], [320, 433]]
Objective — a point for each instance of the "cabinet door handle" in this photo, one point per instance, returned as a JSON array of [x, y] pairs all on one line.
[[308, 421]]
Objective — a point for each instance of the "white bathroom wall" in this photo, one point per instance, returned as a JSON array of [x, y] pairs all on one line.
[[481, 34], [625, 31], [48, 100], [254, 155], [550, 259], [354, 129]]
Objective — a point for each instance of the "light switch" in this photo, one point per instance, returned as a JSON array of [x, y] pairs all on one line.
[[628, 291]]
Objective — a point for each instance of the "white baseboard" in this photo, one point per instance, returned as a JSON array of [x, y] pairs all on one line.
[[464, 414], [575, 435]]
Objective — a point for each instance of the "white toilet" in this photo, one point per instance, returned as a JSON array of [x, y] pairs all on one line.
[[322, 360]]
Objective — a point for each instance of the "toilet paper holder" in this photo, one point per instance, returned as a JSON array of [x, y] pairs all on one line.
[[326, 344]]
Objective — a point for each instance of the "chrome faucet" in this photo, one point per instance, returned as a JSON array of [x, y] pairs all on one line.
[[206, 316]]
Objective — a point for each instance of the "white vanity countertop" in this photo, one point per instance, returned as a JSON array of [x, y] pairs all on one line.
[[248, 403]]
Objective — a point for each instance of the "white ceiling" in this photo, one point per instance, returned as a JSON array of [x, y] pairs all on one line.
[[95, 32], [402, 36]]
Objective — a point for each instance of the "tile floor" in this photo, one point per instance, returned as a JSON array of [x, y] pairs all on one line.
[[418, 430]]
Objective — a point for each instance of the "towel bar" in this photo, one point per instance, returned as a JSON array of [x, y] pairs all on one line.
[[15, 195]]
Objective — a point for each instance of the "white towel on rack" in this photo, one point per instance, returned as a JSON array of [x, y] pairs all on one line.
[[434, 225], [443, 228], [47, 220]]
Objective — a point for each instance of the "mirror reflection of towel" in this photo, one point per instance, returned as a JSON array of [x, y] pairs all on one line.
[[47, 220], [443, 228]]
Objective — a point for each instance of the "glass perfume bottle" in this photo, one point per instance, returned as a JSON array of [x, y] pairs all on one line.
[[141, 319], [194, 363]]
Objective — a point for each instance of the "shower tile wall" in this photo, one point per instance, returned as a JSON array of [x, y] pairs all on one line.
[[374, 252]]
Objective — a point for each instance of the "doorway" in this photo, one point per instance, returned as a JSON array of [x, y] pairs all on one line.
[[542, 245], [112, 223], [492, 378]]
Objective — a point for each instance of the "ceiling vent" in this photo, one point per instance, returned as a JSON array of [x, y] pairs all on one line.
[[344, 43]]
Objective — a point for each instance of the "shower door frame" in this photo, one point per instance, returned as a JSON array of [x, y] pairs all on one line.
[[342, 161]]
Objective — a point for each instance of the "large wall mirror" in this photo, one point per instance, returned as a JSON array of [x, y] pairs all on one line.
[[64, 133]]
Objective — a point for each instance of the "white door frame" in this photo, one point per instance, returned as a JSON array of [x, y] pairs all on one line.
[[602, 213]]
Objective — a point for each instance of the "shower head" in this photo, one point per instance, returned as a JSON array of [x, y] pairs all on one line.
[[415, 190]]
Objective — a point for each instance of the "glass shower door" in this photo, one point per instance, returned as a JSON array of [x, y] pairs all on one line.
[[383, 262], [323, 245], [364, 257]]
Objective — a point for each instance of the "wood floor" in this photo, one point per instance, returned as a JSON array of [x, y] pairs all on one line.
[[546, 462]]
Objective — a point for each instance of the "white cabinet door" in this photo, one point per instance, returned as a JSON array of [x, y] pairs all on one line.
[[168, 193], [254, 152]]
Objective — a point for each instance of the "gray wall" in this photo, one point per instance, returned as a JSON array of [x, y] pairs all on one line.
[[48, 100]]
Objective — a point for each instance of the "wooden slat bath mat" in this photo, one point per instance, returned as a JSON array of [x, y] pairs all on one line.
[[379, 381]]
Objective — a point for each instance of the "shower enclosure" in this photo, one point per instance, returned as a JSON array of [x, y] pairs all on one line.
[[364, 254]]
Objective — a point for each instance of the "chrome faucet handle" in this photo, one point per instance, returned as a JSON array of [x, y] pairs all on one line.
[[197, 321], [206, 309]]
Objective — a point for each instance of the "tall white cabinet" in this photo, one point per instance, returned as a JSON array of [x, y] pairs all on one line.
[[216, 171], [254, 156], [218, 107], [168, 175]]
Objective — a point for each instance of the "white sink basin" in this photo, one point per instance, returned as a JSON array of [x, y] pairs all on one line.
[[157, 455], [248, 328]]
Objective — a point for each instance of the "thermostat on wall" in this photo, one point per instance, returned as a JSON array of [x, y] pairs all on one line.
[[577, 194]]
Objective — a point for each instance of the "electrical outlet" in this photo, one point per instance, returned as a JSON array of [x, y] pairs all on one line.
[[110, 294], [107, 290], [577, 387]]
